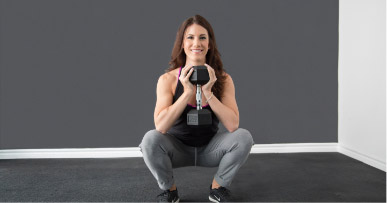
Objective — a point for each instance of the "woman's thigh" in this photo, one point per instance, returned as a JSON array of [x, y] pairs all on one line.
[[180, 154], [222, 143]]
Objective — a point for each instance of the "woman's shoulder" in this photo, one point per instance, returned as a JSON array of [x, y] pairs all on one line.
[[170, 75], [227, 80], [170, 78], [227, 77]]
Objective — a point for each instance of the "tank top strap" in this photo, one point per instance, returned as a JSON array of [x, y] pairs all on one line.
[[179, 88]]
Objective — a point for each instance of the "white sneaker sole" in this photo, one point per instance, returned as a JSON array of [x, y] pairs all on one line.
[[213, 200], [177, 201]]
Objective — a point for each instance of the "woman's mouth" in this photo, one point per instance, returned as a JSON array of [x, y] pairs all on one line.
[[197, 50]]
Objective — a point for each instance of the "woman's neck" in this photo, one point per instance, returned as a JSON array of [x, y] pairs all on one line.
[[195, 63]]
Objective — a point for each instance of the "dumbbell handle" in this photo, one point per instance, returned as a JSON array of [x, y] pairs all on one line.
[[198, 97]]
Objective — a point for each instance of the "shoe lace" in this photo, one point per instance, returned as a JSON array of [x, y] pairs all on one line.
[[164, 195], [224, 192]]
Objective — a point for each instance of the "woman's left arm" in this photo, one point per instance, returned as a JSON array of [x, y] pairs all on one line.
[[226, 111]]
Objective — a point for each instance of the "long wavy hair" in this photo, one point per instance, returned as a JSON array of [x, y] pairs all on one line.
[[178, 57]]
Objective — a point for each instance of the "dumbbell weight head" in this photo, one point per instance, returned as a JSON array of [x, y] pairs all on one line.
[[199, 75], [199, 117]]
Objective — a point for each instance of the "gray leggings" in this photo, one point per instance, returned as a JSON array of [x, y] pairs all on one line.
[[163, 152]]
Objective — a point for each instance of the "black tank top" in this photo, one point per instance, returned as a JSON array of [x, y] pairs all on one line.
[[192, 136]]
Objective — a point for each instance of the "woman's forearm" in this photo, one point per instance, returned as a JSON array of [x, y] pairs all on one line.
[[167, 117], [226, 115]]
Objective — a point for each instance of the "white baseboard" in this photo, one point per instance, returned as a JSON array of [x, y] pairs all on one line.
[[379, 164], [294, 148], [135, 152], [70, 153]]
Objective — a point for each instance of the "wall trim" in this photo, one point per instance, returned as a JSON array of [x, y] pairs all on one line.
[[379, 164], [294, 148], [135, 152], [70, 153]]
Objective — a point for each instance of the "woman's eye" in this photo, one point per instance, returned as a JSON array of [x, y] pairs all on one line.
[[190, 37]]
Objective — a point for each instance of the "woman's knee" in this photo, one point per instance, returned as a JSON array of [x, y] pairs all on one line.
[[152, 137], [244, 137]]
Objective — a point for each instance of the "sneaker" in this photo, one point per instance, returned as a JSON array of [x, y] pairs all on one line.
[[168, 196], [220, 194]]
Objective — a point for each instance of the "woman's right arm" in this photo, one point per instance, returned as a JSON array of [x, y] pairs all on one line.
[[167, 113]]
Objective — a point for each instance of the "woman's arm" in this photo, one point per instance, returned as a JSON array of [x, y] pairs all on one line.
[[167, 113], [227, 110]]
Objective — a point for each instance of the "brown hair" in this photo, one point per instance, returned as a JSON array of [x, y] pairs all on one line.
[[178, 56]]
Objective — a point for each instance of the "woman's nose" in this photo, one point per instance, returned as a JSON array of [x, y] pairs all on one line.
[[196, 42]]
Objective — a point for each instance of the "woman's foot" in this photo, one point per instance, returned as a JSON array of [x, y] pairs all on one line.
[[168, 196], [221, 194]]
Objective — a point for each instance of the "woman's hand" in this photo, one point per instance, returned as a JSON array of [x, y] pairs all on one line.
[[207, 87], [185, 74]]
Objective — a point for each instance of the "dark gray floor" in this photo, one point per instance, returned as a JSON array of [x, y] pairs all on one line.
[[294, 177]]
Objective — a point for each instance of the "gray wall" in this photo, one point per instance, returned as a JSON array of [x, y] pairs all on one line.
[[80, 74]]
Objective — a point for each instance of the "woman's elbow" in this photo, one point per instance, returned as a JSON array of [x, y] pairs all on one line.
[[231, 130], [161, 131], [159, 128], [233, 127]]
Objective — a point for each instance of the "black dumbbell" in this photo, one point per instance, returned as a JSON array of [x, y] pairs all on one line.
[[199, 117]]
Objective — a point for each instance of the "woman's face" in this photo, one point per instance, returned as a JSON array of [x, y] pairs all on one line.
[[195, 44]]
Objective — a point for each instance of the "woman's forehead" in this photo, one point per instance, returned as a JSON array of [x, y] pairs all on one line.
[[196, 29]]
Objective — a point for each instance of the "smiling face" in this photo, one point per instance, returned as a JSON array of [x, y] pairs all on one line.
[[196, 44]]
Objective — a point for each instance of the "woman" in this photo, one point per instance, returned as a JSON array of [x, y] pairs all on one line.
[[173, 143]]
